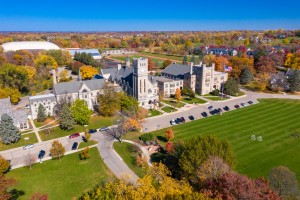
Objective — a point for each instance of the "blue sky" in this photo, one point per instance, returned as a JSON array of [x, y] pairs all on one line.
[[134, 15]]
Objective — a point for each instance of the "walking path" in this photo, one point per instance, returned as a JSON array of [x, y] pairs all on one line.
[[36, 131]]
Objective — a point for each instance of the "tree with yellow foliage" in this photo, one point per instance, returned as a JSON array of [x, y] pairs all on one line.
[[30, 72], [45, 61], [178, 94], [220, 62], [209, 59], [87, 72], [13, 94]]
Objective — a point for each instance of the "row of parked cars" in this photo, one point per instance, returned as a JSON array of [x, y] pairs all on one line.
[[181, 120]]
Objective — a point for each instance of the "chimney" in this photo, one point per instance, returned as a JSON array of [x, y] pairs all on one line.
[[119, 66], [200, 63]]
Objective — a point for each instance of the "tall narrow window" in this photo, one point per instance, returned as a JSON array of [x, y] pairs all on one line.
[[140, 86], [144, 85]]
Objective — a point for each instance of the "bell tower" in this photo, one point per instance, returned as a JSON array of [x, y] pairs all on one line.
[[140, 78]]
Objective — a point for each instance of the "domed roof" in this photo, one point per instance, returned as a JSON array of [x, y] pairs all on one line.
[[29, 45]]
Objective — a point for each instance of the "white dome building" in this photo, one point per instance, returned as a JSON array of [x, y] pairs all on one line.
[[29, 45]]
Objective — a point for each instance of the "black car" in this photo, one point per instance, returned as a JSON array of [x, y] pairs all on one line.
[[92, 131], [204, 114], [182, 119], [75, 145], [250, 102], [236, 106], [41, 154], [226, 108], [178, 120], [191, 117], [210, 107], [219, 110]]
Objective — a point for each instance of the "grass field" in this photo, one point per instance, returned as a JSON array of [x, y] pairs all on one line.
[[95, 122], [63, 179], [32, 139], [157, 62], [173, 103], [86, 144], [128, 153], [153, 113], [272, 119], [47, 121], [192, 100], [168, 109]]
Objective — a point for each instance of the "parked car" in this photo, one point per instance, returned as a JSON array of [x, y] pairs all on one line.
[[226, 108], [92, 131], [178, 121], [210, 108], [243, 104], [29, 146], [41, 154], [104, 128], [172, 122], [182, 119], [191, 117], [236, 106], [74, 135], [250, 102], [75, 145], [204, 114], [219, 110], [27, 106]]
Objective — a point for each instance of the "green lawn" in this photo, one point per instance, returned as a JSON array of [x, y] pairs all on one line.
[[173, 103], [48, 120], [164, 56], [215, 98], [20, 143], [168, 109], [272, 119], [86, 144], [153, 113], [95, 122], [128, 153], [192, 100], [63, 179], [157, 62]]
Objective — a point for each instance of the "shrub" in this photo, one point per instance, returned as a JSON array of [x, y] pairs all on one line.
[[147, 137], [216, 92]]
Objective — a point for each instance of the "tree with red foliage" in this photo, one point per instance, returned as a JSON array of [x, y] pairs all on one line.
[[265, 65], [5, 184], [169, 147], [150, 64], [38, 196], [235, 186]]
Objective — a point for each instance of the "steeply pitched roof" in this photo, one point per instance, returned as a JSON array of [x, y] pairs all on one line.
[[74, 87], [177, 69]]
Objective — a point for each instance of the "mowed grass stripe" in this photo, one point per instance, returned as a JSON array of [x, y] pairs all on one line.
[[273, 119]]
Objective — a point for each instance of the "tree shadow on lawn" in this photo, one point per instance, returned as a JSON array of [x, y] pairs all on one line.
[[16, 194], [162, 138]]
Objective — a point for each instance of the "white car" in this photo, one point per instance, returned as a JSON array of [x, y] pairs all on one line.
[[172, 122], [29, 146], [27, 106]]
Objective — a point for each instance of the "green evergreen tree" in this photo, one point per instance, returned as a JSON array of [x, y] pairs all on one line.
[[185, 60], [66, 118], [246, 76], [81, 112], [9, 133], [41, 116], [231, 87], [294, 81]]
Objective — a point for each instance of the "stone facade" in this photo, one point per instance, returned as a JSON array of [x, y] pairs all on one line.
[[48, 101], [167, 87], [20, 117]]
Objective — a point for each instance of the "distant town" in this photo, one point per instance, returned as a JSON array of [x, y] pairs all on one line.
[[150, 115]]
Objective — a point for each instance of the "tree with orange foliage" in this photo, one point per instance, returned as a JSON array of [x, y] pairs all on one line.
[[220, 62], [150, 64], [178, 95], [169, 134], [169, 147], [5, 184], [87, 72]]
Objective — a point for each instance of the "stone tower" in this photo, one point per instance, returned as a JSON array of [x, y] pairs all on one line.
[[140, 79], [127, 62]]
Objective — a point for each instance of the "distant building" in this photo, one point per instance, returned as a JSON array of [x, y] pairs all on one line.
[[30, 46], [20, 117], [94, 52], [48, 101], [117, 52]]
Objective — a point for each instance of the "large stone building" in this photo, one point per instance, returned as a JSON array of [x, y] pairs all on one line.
[[48, 101], [20, 117], [135, 80], [200, 78], [167, 86]]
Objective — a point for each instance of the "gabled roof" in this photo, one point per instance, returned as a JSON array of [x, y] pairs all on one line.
[[177, 69], [74, 87]]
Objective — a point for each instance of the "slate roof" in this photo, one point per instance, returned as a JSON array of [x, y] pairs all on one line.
[[117, 75], [5, 106], [18, 116], [163, 79], [46, 97], [74, 87], [177, 69]]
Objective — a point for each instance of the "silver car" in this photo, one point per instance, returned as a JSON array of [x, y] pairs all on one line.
[[29, 146]]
